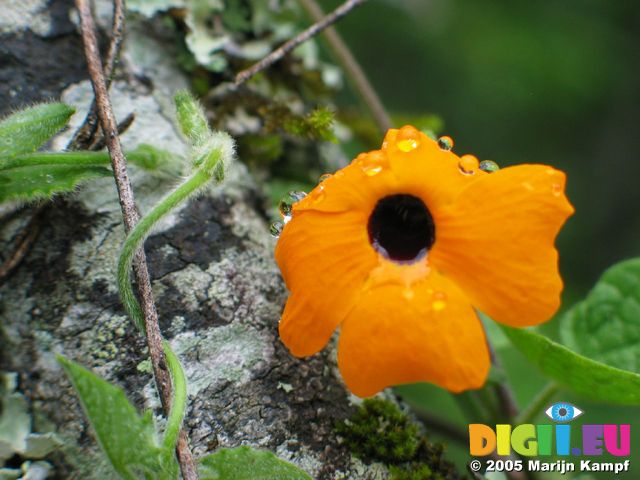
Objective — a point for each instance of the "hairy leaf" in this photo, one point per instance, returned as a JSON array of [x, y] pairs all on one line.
[[128, 439], [27, 130], [42, 174], [605, 326], [584, 376], [245, 463]]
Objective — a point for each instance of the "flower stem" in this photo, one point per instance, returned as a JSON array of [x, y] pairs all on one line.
[[538, 403], [136, 237]]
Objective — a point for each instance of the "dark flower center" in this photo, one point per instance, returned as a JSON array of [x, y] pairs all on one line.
[[401, 228]]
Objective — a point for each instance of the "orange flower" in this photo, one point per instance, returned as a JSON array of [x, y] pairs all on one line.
[[399, 247]]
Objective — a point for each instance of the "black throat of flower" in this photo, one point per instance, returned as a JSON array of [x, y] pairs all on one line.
[[401, 228]]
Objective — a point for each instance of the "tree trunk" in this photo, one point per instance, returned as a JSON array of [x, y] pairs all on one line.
[[218, 291]]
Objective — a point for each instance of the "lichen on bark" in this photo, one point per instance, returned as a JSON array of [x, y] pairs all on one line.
[[218, 292]]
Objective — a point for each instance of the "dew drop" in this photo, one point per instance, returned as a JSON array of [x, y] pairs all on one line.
[[359, 159], [276, 229], [286, 203], [285, 207], [439, 302], [324, 177], [339, 174], [49, 178], [371, 170], [296, 195], [408, 293], [389, 138], [489, 166], [317, 195], [468, 164], [556, 189], [445, 143], [374, 163], [408, 139]]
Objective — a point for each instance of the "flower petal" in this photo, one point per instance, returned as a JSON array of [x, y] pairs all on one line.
[[325, 258], [496, 242], [426, 172], [429, 333]]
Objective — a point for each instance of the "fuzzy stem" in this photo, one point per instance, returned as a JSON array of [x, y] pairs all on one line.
[[179, 403], [136, 237]]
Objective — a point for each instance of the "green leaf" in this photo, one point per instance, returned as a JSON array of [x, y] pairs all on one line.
[[605, 326], [36, 182], [27, 130], [245, 463], [42, 174], [580, 374], [128, 440]]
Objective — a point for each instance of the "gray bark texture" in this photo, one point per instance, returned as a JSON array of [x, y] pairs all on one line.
[[218, 291]]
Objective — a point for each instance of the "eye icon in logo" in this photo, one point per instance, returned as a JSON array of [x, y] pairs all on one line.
[[563, 412]]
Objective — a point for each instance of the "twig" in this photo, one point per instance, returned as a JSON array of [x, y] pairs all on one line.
[[313, 30], [352, 68], [131, 217], [85, 135], [23, 242], [504, 393], [123, 126]]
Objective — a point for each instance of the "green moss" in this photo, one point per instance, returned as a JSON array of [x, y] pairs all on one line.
[[414, 471], [380, 432]]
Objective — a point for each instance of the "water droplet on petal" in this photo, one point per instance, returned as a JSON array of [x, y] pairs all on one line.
[[359, 159], [389, 138], [556, 189], [445, 143], [324, 177], [489, 166], [296, 195], [439, 301], [286, 203], [317, 195], [371, 170], [285, 207], [468, 164], [339, 174], [408, 139], [374, 163], [408, 293], [276, 229]]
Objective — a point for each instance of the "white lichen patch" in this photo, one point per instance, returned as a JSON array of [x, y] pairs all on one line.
[[26, 15], [302, 457], [221, 354], [95, 259], [357, 469], [192, 283]]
